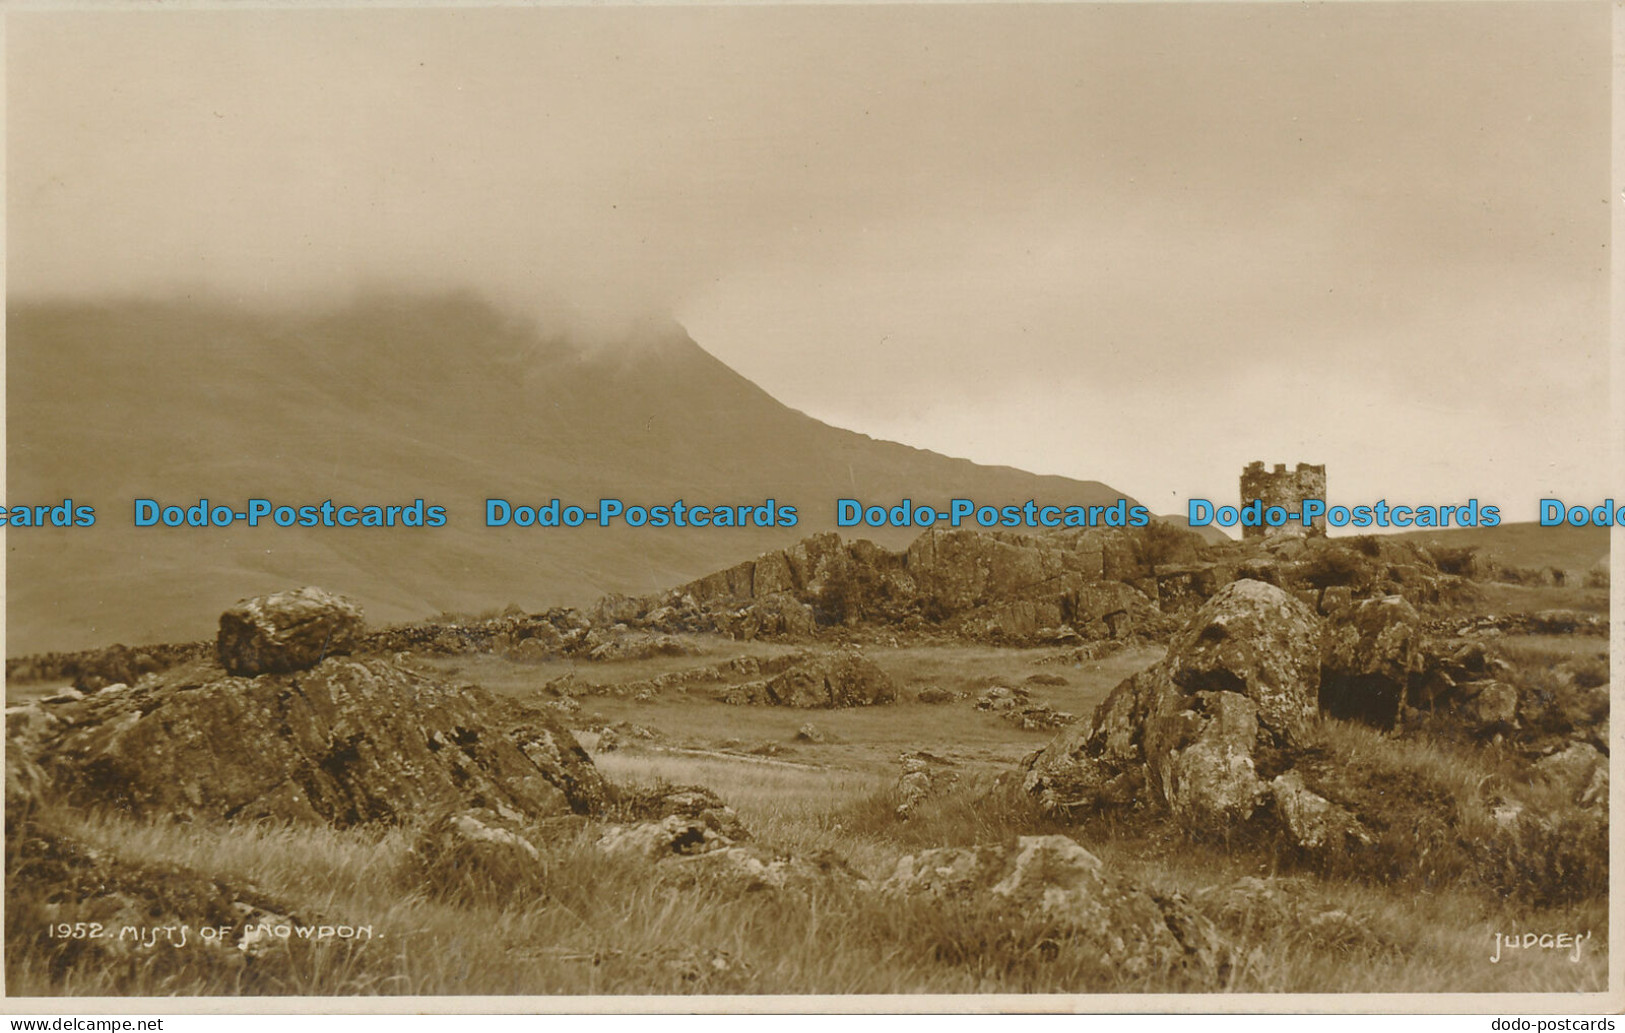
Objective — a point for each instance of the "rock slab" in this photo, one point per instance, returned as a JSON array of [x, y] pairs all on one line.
[[351, 742]]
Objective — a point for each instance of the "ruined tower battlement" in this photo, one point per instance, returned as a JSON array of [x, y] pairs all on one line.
[[1279, 487]]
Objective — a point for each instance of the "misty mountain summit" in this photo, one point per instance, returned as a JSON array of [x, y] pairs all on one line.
[[385, 400]]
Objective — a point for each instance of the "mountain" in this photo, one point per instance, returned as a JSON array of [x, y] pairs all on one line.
[[384, 400]]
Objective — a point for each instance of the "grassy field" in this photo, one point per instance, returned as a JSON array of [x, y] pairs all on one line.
[[1420, 913], [596, 925], [864, 739]]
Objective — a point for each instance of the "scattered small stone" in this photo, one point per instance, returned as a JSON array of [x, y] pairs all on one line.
[[1001, 698]]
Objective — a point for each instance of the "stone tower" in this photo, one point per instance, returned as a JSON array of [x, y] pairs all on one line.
[[1278, 487]]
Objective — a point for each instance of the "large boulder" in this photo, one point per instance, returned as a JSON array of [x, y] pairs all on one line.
[[1254, 639], [350, 742], [1201, 760], [286, 631], [1192, 732], [1370, 656]]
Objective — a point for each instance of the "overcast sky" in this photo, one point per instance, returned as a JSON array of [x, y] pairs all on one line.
[[1138, 243]]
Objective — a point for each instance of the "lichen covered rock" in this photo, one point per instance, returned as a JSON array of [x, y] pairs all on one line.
[[1314, 822], [1202, 760], [1253, 639], [825, 681], [286, 632], [1186, 734], [350, 742], [1370, 655]]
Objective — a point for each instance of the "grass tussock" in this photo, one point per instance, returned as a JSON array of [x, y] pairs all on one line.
[[1442, 814], [1467, 841], [578, 922], [1562, 693]]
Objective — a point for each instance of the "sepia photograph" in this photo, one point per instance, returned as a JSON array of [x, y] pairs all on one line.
[[835, 507]]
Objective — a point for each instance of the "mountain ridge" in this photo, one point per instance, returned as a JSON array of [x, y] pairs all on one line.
[[383, 400]]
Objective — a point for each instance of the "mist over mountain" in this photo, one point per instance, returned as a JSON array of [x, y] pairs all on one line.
[[382, 400]]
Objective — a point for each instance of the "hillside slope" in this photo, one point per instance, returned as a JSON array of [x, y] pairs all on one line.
[[1575, 550], [383, 401]]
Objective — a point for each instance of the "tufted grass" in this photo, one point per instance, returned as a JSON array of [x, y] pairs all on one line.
[[597, 925], [1420, 915]]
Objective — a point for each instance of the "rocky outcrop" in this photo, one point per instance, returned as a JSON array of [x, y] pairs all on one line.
[[820, 681], [1254, 639], [349, 742], [1016, 705], [1190, 733], [983, 584], [286, 632], [27, 727], [92, 669], [802, 568], [1383, 666], [962, 569], [1054, 883], [687, 801], [1371, 654]]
